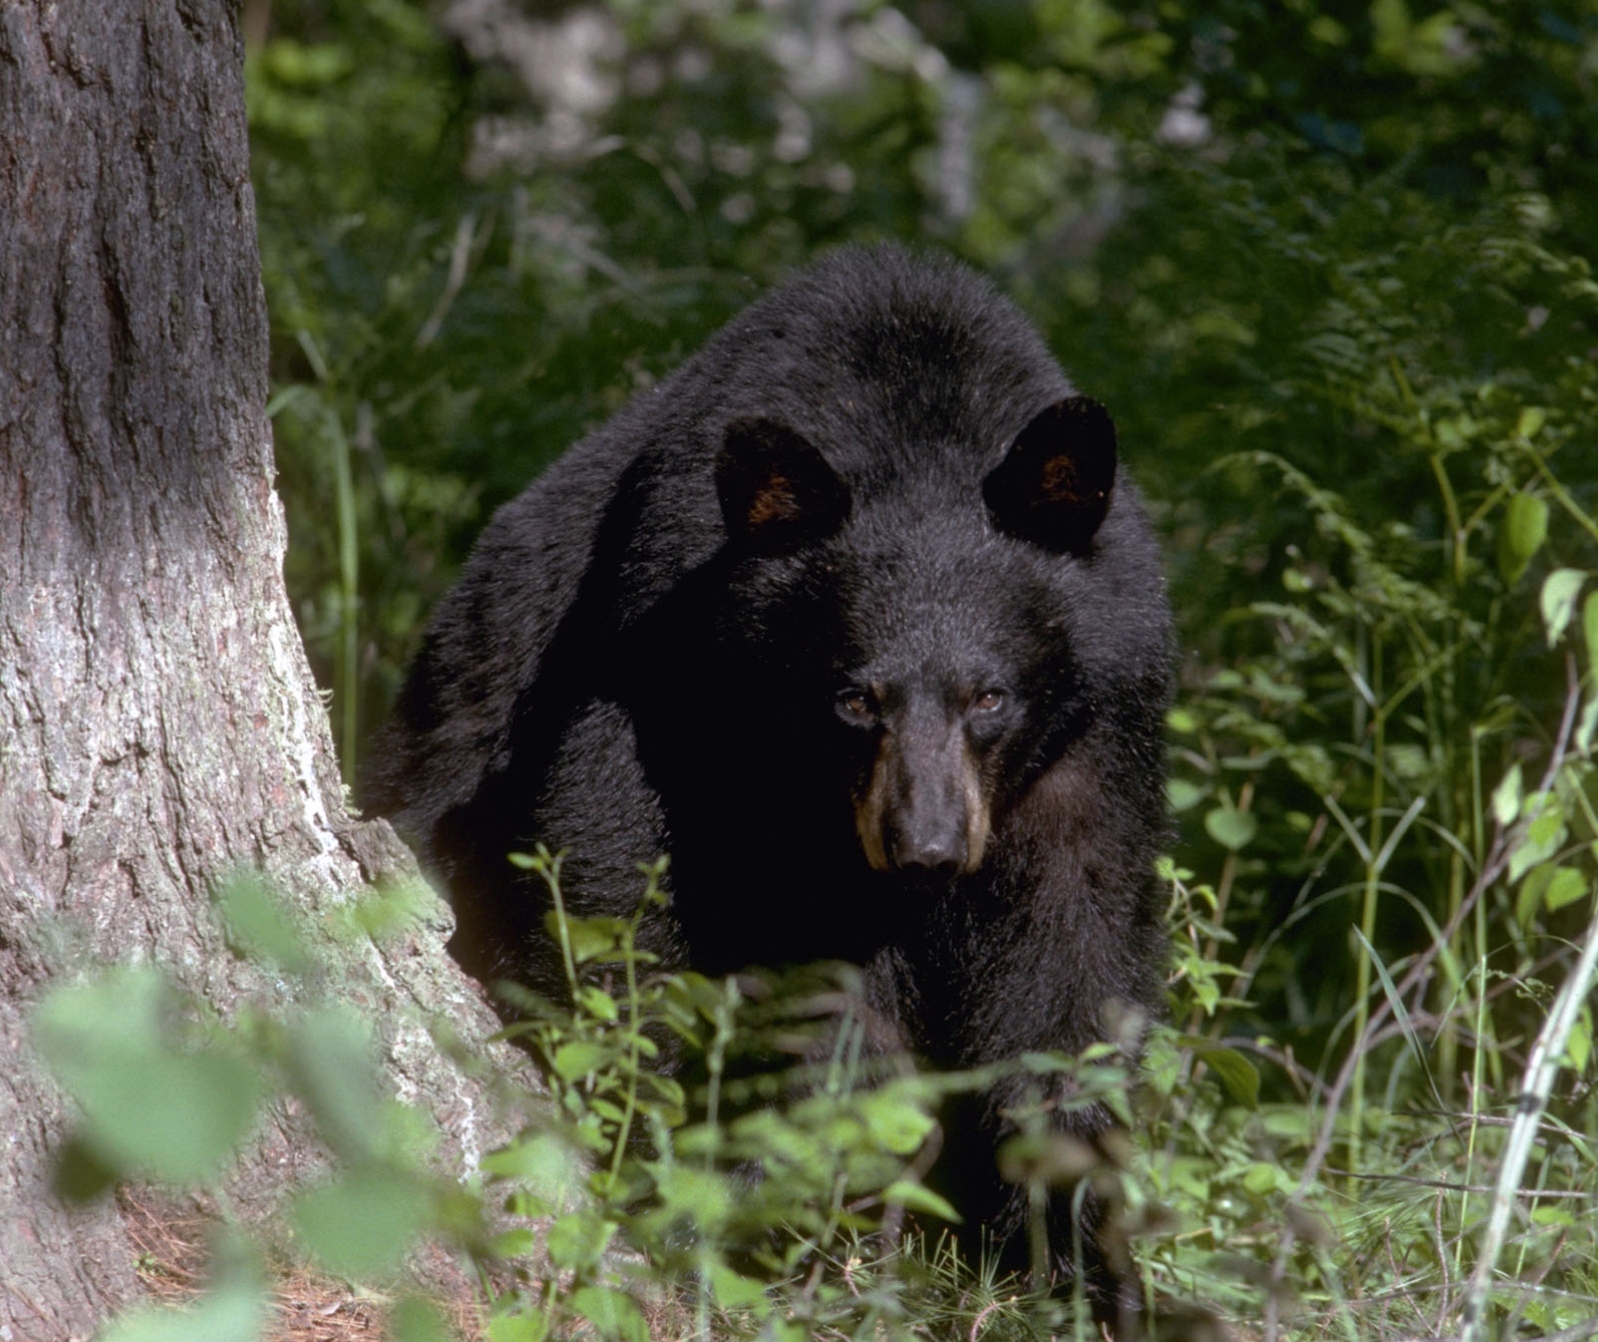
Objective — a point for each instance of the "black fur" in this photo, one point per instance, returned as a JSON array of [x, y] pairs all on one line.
[[804, 592]]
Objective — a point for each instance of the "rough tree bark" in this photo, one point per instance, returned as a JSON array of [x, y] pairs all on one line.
[[159, 726]]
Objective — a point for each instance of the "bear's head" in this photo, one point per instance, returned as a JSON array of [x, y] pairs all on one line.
[[924, 633]]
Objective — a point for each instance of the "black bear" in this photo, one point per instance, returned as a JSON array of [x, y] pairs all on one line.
[[856, 619]]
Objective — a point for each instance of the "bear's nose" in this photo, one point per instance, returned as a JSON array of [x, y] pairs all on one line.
[[934, 857]]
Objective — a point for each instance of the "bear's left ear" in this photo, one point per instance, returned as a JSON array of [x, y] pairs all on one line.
[[1053, 487], [777, 491]]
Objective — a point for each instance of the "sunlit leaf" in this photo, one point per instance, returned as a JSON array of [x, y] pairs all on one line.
[[612, 1312], [1507, 797], [152, 1103], [1558, 600], [1525, 527], [919, 1198], [359, 1225], [1231, 828], [577, 1239]]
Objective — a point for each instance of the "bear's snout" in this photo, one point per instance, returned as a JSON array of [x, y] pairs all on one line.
[[925, 812]]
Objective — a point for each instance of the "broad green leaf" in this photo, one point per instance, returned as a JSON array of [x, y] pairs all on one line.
[[1525, 528], [413, 1319], [700, 1194], [360, 1225], [1567, 886], [332, 1064], [235, 1307], [542, 1161], [593, 937], [1529, 899], [1240, 1077], [895, 1120], [172, 1116], [1182, 794], [1544, 835], [577, 1059], [1261, 1178], [258, 924], [735, 1291], [1558, 600], [612, 1312], [150, 1106], [1231, 828], [1531, 420], [577, 1239], [227, 1314], [530, 1326], [597, 1003], [517, 1243]]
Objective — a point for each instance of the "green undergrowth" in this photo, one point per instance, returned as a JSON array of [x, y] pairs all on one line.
[[718, 1159]]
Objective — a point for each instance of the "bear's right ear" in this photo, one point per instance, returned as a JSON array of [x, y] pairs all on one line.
[[1053, 487], [776, 490]]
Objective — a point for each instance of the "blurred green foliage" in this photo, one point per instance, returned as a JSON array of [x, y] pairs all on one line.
[[1328, 262]]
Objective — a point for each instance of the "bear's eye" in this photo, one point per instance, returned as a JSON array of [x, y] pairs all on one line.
[[857, 706], [989, 701]]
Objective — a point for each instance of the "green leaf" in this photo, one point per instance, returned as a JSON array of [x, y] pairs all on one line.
[[1240, 1076], [532, 1326], [735, 1291], [919, 1198], [1543, 837], [1531, 420], [612, 1312], [360, 1225], [1566, 887], [577, 1059], [1231, 828], [543, 1160], [1524, 530], [149, 1105], [1558, 600], [1529, 900], [593, 937], [176, 1117], [234, 1308], [1578, 1045], [1589, 632], [1261, 1178], [895, 1120], [332, 1065], [413, 1319], [230, 1314], [699, 1194], [517, 1243], [577, 1239], [1587, 724], [1507, 797], [1183, 795], [597, 1003], [258, 924]]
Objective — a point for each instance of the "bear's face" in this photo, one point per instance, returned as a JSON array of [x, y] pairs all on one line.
[[921, 637]]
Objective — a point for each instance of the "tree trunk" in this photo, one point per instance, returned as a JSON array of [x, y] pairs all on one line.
[[159, 726]]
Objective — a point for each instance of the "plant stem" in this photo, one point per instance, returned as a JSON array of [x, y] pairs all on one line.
[[1367, 920]]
